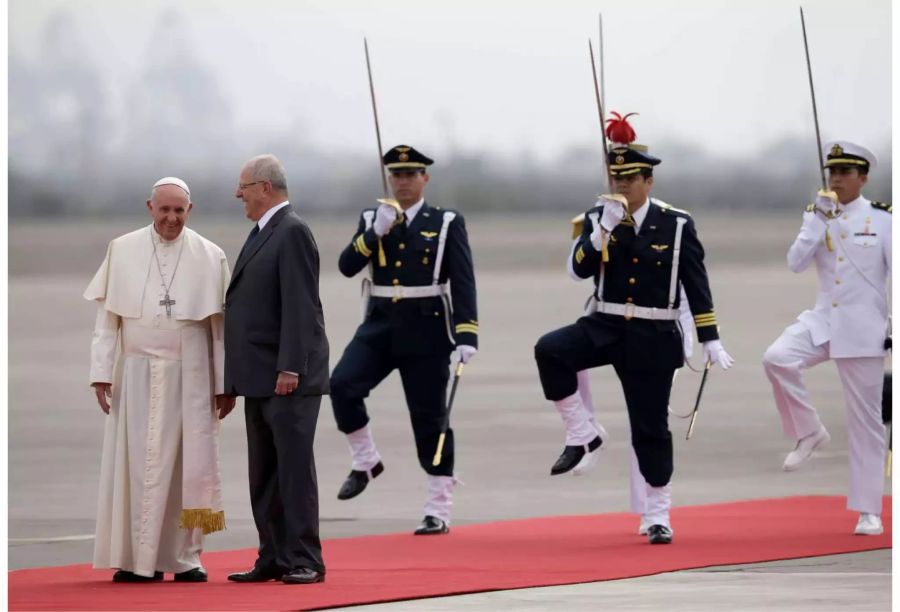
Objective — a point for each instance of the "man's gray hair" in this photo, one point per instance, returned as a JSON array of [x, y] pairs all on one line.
[[268, 168]]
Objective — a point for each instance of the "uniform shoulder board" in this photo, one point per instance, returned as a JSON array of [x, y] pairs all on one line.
[[810, 208], [577, 225], [882, 206], [669, 208]]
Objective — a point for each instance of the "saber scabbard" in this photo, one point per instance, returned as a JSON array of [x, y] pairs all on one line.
[[690, 430], [438, 454]]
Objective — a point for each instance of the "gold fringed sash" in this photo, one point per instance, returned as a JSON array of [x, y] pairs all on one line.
[[204, 518]]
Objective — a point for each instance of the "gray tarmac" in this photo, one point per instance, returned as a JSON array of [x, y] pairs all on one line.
[[507, 434]]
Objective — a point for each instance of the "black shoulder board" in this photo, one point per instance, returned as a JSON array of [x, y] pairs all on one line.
[[882, 206]]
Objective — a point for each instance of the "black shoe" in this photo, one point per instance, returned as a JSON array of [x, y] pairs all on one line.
[[659, 534], [357, 480], [123, 576], [303, 575], [571, 455], [257, 574], [432, 525], [198, 574]]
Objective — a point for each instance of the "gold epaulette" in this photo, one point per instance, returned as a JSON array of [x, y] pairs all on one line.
[[577, 226], [669, 208], [882, 206]]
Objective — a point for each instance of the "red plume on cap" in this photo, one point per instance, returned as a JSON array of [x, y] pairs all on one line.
[[619, 130]]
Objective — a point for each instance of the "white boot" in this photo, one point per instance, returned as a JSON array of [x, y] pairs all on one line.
[[659, 500], [362, 450], [804, 449], [440, 497], [869, 524], [579, 428]]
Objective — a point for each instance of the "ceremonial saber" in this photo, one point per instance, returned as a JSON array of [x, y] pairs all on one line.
[[812, 93], [602, 57], [697, 403], [382, 259], [440, 445], [384, 184], [601, 114]]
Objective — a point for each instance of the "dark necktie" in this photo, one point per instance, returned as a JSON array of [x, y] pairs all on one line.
[[253, 234]]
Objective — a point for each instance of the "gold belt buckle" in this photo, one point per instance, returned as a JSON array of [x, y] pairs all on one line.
[[397, 293], [629, 311]]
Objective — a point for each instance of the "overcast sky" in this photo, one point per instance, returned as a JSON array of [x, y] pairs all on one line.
[[507, 77]]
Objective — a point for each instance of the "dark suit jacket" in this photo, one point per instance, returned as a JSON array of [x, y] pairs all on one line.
[[273, 316]]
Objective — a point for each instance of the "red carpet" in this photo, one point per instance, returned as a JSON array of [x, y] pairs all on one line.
[[485, 557]]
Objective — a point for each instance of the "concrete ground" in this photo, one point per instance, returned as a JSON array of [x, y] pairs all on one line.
[[507, 434]]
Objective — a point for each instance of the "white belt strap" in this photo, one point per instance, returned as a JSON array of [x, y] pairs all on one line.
[[400, 292], [676, 256], [630, 311], [366, 288], [595, 219], [442, 240]]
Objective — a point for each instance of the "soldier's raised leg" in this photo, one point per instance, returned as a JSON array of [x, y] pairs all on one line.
[[560, 355], [784, 362], [361, 368]]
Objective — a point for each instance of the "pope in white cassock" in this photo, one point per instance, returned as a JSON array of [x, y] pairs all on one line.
[[158, 354]]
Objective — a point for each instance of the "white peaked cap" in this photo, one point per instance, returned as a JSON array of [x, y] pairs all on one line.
[[844, 152], [172, 180]]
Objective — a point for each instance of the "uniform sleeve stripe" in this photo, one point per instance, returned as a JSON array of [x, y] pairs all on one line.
[[709, 324], [361, 246], [579, 255], [464, 328]]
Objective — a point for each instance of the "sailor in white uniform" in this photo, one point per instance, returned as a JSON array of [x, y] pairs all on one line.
[[849, 239]]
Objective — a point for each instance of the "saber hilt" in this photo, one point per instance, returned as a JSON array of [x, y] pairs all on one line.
[[438, 454], [690, 430]]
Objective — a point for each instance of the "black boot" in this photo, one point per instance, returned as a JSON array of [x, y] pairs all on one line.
[[431, 525], [571, 455], [357, 481]]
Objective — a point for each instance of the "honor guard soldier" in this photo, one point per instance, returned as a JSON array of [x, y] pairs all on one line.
[[639, 251], [849, 239], [420, 304]]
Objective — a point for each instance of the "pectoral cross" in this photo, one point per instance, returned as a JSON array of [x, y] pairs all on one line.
[[168, 304]]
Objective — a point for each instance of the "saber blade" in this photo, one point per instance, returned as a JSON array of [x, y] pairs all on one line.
[[812, 93], [436, 461], [384, 184], [690, 430]]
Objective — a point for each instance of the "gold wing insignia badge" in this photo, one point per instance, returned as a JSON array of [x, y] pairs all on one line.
[[659, 248], [429, 235]]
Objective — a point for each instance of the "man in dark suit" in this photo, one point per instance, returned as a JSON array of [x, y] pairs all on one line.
[[421, 305], [276, 356], [639, 252]]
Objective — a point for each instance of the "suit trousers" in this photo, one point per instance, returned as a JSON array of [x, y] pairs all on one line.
[[562, 353], [365, 363], [862, 379], [284, 493]]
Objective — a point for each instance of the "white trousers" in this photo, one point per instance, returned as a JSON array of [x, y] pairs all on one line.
[[862, 379]]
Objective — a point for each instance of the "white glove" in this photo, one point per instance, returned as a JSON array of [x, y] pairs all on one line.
[[385, 218], [614, 206], [465, 352], [714, 353], [826, 203]]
